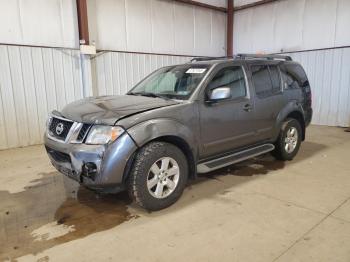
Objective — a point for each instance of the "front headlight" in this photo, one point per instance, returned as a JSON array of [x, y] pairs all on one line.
[[48, 121], [100, 135]]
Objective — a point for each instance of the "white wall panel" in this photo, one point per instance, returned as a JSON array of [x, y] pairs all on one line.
[[218, 34], [262, 26], [112, 23], [156, 26], [39, 22], [119, 72], [33, 82], [184, 29], [202, 29], [138, 25], [329, 76], [287, 35], [292, 25], [163, 27], [319, 23], [342, 37]]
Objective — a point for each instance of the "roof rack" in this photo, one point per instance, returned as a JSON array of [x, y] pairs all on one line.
[[208, 58], [268, 57], [243, 57]]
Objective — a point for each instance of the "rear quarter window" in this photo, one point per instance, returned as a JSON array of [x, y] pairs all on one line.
[[294, 76]]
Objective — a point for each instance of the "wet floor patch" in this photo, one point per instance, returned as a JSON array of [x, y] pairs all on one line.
[[52, 211]]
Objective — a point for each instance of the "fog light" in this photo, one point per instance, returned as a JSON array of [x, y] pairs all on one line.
[[89, 170]]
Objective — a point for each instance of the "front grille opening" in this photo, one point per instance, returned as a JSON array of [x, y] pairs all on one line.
[[58, 156], [59, 128], [83, 132]]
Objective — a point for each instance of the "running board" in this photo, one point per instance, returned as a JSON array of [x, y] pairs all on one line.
[[234, 158]]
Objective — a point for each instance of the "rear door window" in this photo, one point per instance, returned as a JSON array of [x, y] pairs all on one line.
[[266, 80], [275, 78]]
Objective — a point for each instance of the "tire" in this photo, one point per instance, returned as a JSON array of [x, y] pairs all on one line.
[[144, 174], [282, 151]]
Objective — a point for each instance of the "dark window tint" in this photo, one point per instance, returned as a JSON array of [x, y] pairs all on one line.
[[266, 80], [295, 76], [232, 77], [275, 78]]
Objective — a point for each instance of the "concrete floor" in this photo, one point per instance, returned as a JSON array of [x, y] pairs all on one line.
[[261, 210]]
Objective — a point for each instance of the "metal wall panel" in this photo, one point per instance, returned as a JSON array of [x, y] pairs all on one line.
[[329, 76], [116, 72], [33, 82], [39, 22], [156, 26], [308, 24]]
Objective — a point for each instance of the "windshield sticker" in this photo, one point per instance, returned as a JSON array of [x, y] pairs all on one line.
[[196, 71]]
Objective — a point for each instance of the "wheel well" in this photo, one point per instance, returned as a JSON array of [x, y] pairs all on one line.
[[185, 148], [299, 117]]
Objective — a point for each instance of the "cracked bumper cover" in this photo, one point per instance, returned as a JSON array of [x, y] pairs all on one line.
[[110, 161]]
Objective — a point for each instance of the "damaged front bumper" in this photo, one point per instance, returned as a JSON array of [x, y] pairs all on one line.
[[98, 167]]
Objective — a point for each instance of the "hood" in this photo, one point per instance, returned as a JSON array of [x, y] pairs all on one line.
[[109, 109]]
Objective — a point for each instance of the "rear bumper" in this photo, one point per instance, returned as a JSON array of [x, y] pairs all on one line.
[[98, 167]]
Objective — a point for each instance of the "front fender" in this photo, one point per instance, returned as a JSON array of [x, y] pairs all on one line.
[[149, 130]]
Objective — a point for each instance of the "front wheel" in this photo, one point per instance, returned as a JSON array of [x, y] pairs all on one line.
[[289, 140], [158, 175]]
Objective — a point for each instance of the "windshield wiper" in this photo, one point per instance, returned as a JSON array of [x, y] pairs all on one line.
[[148, 94]]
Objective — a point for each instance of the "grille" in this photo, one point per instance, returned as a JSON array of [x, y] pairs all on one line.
[[58, 156], [83, 131], [60, 128]]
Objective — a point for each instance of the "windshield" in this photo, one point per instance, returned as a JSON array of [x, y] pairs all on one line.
[[176, 82]]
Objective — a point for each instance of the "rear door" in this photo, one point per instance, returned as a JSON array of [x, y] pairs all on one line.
[[269, 100], [227, 124]]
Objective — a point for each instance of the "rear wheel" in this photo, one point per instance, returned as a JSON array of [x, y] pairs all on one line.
[[158, 176], [289, 140]]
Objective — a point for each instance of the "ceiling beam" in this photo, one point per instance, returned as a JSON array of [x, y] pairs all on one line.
[[196, 3], [223, 9], [229, 27], [83, 25], [261, 2]]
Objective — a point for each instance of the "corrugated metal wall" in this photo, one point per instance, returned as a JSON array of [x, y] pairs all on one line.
[[39, 22], [292, 25], [156, 26], [118, 72], [34, 81], [329, 76]]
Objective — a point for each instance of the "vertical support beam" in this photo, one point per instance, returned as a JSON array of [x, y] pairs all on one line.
[[83, 22], [229, 34], [229, 27]]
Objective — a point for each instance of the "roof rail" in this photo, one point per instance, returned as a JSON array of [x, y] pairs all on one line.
[[268, 57], [208, 58]]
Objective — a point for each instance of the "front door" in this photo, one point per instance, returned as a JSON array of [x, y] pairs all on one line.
[[227, 124]]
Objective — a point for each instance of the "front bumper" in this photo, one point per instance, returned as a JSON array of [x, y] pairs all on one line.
[[99, 167]]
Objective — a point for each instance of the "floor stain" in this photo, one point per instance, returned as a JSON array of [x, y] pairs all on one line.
[[55, 199], [60, 201]]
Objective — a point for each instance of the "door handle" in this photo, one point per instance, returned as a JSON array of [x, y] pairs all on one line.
[[247, 107]]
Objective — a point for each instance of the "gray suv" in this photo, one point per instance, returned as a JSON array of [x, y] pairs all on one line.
[[180, 121]]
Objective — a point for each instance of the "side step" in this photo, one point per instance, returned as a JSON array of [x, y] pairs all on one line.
[[234, 158]]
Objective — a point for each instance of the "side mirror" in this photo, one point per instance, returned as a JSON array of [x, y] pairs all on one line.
[[220, 93]]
